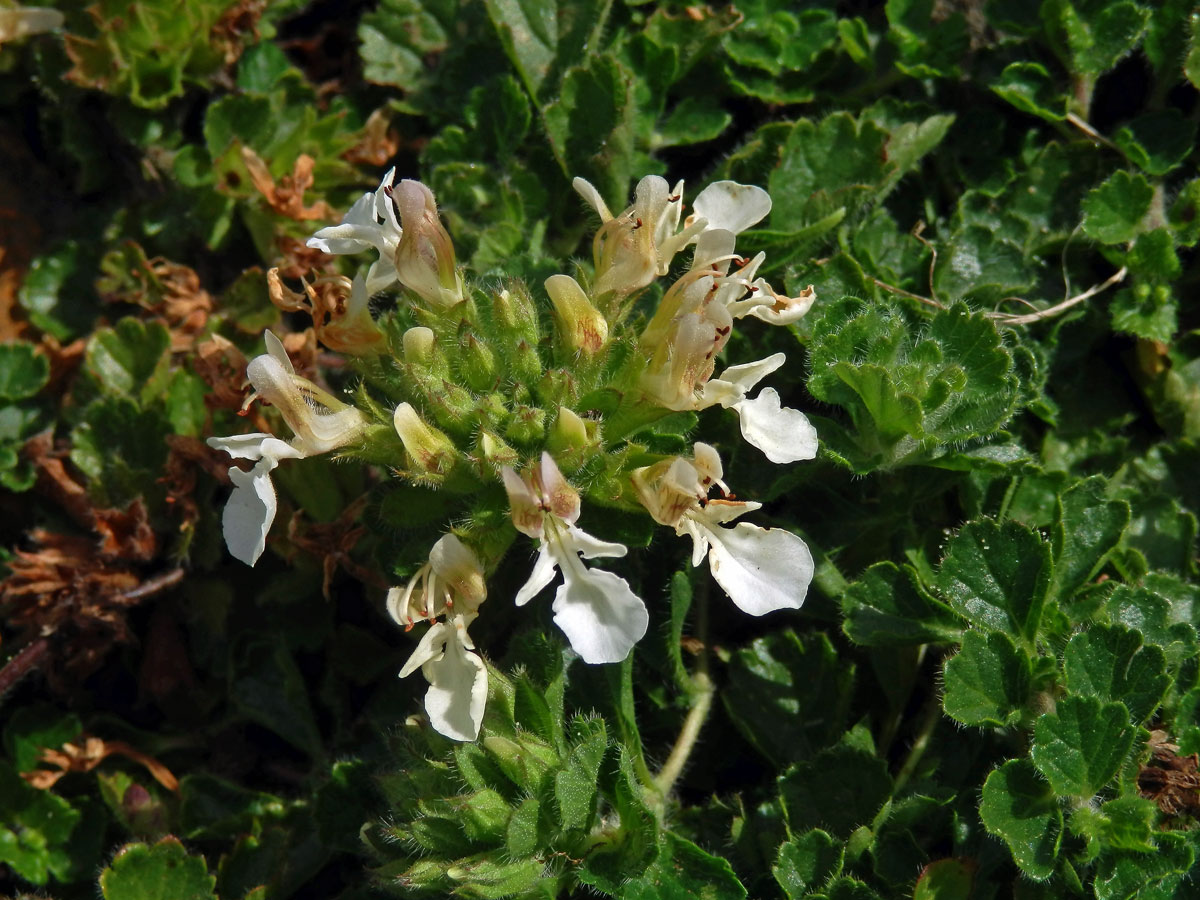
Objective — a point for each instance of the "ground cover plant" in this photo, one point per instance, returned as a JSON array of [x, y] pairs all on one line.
[[341, 342]]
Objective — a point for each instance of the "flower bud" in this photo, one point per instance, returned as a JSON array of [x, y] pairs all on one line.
[[581, 327], [425, 255], [419, 345], [478, 363], [569, 438], [429, 450], [528, 425], [514, 312], [496, 452]]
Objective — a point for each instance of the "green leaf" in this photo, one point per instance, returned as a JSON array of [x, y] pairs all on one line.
[[1087, 529], [692, 121], [907, 392], [543, 36], [1113, 212], [1031, 89], [48, 292], [837, 790], [22, 371], [500, 114], [1080, 746], [1019, 808], [988, 681], [612, 865], [1122, 874], [834, 163], [1157, 142], [575, 785], [946, 879], [213, 808], [521, 839], [163, 871], [996, 576], [789, 694], [396, 38], [1153, 257], [1110, 663], [32, 728], [888, 607], [131, 358], [930, 42], [807, 862], [1124, 823], [36, 828], [1091, 36], [977, 263], [683, 871], [590, 125], [267, 687]]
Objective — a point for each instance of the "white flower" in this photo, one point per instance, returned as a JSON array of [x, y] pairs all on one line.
[[601, 617], [450, 584], [761, 569], [370, 222], [631, 249], [251, 508], [457, 679]]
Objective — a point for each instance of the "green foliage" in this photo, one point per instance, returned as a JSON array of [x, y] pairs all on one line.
[[909, 394]]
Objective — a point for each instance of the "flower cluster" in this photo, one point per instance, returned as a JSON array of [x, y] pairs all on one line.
[[432, 408]]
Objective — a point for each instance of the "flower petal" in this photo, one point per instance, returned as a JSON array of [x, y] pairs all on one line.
[[747, 375], [761, 569], [432, 644], [784, 434], [600, 615], [249, 512], [579, 541], [254, 446], [542, 575], [588, 192], [732, 206], [457, 691]]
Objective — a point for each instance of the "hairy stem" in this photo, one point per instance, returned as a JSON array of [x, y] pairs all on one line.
[[701, 697], [931, 715]]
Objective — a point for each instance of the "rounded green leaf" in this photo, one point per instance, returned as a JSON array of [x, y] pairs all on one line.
[[1113, 212], [1080, 746], [1019, 808], [988, 681], [1031, 89], [163, 871]]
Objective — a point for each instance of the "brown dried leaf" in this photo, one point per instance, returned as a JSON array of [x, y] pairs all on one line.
[[126, 534], [286, 197], [223, 367], [378, 144], [333, 542], [86, 754], [1170, 780], [237, 28]]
